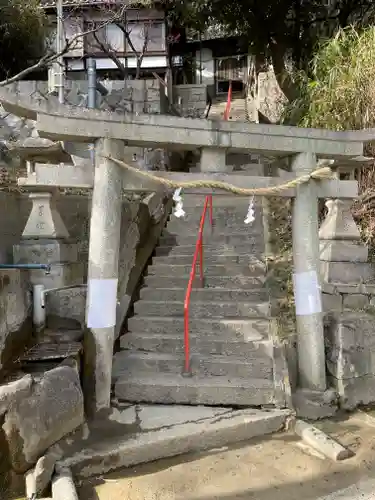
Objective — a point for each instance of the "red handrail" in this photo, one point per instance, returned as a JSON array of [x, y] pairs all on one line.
[[229, 103], [198, 251]]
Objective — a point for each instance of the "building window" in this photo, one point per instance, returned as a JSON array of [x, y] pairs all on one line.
[[141, 33], [110, 36], [148, 35]]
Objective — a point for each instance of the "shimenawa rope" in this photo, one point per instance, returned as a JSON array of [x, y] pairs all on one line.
[[322, 173]]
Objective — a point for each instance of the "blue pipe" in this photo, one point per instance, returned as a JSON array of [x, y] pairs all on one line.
[[46, 267]]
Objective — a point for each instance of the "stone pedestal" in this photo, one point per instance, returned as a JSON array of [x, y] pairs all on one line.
[[45, 240], [214, 160], [343, 256], [350, 347], [347, 301]]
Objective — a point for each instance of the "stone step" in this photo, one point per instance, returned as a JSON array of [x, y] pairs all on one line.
[[199, 344], [168, 431], [243, 249], [221, 215], [186, 238], [247, 329], [210, 281], [174, 388], [215, 232], [125, 362], [205, 294], [206, 309], [220, 225], [229, 269], [228, 201], [209, 259]]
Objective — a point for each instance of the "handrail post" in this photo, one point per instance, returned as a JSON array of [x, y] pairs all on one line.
[[187, 367], [201, 261], [211, 213]]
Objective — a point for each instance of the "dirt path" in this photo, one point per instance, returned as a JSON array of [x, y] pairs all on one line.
[[263, 470]]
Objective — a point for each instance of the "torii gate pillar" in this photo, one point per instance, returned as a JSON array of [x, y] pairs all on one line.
[[102, 276]]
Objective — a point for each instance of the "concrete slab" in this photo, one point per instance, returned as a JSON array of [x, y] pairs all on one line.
[[162, 431], [272, 468]]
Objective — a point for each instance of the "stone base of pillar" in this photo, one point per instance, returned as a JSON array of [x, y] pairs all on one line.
[[44, 251], [342, 251], [315, 405]]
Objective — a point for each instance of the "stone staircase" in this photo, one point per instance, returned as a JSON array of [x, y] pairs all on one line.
[[232, 350], [237, 109]]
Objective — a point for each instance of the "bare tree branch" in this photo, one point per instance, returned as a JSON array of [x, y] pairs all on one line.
[[51, 57], [139, 55], [107, 49], [117, 17]]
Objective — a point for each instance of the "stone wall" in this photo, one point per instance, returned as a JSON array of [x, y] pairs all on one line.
[[139, 96], [142, 221], [350, 342], [15, 315], [348, 295], [190, 100]]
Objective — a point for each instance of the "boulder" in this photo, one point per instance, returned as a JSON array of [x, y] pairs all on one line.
[[14, 391], [53, 409]]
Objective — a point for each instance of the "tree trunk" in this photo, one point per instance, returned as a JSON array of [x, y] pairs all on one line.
[[283, 76]]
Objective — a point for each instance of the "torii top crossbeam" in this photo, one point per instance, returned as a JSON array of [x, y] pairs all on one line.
[[62, 122]]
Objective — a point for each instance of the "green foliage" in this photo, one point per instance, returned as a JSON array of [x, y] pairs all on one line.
[[291, 26], [22, 35], [340, 94]]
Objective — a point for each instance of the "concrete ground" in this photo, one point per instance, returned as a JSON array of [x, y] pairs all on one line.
[[280, 467]]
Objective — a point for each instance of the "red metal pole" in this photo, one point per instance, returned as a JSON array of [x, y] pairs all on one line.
[[186, 341], [201, 260], [229, 103], [211, 212]]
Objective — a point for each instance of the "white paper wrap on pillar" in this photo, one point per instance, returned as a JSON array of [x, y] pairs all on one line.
[[102, 303], [307, 293]]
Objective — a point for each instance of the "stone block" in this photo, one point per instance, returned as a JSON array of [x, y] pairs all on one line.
[[331, 302], [59, 276], [350, 330], [350, 346], [343, 251], [70, 304], [45, 468], [356, 301], [44, 220], [52, 410], [356, 391], [346, 272], [341, 288], [45, 252], [14, 391]]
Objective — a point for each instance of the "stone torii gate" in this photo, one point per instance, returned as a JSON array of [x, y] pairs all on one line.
[[112, 132]]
